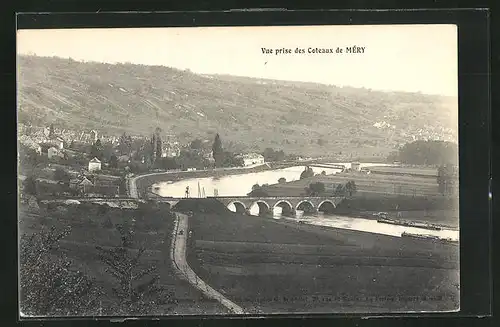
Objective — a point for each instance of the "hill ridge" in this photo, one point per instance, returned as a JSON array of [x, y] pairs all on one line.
[[288, 115]]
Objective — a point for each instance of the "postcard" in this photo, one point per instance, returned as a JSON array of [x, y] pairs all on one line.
[[238, 170]]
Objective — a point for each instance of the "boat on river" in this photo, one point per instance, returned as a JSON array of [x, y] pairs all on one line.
[[408, 223], [429, 237]]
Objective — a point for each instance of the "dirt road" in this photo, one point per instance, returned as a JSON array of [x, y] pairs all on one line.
[[180, 263]]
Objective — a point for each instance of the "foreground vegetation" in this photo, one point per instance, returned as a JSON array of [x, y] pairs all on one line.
[[91, 259]]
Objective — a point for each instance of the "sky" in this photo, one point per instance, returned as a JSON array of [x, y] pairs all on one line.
[[411, 58]]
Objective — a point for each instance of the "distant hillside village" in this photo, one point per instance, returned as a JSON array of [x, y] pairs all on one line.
[[62, 162], [88, 163]]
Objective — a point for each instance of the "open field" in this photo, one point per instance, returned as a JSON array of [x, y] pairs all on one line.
[[271, 266], [365, 183], [90, 227]]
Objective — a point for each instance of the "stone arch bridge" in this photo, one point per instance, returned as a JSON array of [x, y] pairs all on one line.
[[266, 205], [288, 204]]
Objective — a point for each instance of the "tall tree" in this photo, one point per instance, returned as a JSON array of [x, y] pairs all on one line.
[[96, 150], [350, 188], [218, 151], [136, 286], [51, 130], [446, 179], [113, 161], [156, 144], [152, 153], [29, 185], [308, 172], [125, 144]]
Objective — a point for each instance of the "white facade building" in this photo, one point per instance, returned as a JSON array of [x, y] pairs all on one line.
[[94, 136], [170, 151], [94, 164], [252, 159], [53, 152]]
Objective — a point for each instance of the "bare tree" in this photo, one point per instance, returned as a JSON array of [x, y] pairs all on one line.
[[136, 286]]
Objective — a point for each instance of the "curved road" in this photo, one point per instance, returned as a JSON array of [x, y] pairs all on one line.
[[179, 260], [178, 254]]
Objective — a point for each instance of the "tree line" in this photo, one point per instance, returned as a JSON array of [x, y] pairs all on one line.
[[431, 152], [313, 189], [442, 154]]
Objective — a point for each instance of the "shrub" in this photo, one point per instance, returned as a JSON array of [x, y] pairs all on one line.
[[48, 285], [315, 189], [137, 287]]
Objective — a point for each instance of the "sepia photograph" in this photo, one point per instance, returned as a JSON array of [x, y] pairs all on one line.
[[238, 170]]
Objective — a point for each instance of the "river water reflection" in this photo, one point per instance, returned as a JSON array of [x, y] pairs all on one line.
[[370, 225], [241, 185]]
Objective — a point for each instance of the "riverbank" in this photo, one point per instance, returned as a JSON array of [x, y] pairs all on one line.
[[447, 219], [438, 210]]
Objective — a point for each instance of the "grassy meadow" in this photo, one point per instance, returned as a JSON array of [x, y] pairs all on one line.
[[270, 266]]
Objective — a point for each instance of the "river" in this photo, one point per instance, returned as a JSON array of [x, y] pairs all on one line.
[[240, 185]]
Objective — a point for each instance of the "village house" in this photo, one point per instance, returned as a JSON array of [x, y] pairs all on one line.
[[86, 187], [54, 152], [252, 159], [94, 164], [82, 184], [170, 151], [57, 141]]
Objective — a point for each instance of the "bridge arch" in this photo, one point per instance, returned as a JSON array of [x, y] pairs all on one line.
[[306, 206], [286, 206], [327, 206], [239, 207], [263, 206]]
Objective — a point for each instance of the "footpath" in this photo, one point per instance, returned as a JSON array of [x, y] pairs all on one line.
[[178, 255], [181, 265]]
